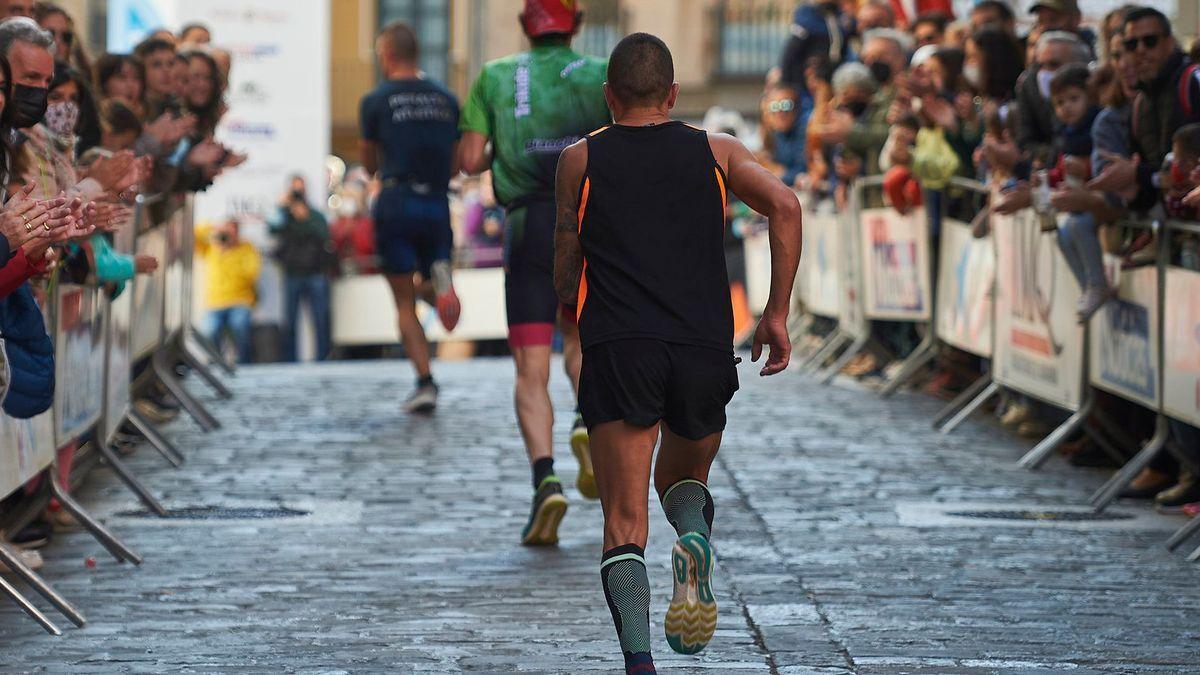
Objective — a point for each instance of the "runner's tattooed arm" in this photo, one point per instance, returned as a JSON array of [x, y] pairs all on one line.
[[568, 253]]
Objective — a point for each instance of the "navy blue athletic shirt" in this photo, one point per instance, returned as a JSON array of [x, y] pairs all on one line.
[[415, 124]]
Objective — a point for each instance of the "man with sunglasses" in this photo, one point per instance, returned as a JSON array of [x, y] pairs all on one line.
[[1169, 98]]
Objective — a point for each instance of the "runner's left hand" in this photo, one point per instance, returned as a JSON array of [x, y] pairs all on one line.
[[772, 333]]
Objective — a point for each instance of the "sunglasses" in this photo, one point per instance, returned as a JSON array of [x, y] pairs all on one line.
[[1149, 41], [783, 106]]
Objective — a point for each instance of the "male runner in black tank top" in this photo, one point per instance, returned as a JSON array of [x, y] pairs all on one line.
[[638, 246]]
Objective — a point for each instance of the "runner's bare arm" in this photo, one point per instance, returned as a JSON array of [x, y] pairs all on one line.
[[473, 155], [568, 253], [368, 154], [766, 194]]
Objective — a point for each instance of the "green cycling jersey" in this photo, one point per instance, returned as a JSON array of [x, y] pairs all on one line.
[[532, 105]]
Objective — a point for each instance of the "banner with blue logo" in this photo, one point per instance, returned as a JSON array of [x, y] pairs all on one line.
[[1124, 337]]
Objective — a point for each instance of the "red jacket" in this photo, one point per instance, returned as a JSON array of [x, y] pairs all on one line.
[[923, 6], [18, 270]]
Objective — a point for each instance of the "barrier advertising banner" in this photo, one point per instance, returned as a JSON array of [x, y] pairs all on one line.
[[79, 362], [821, 261], [967, 271], [851, 318], [895, 255], [119, 346], [1039, 344], [148, 295], [1124, 337], [756, 251], [1181, 346], [26, 447], [173, 262]]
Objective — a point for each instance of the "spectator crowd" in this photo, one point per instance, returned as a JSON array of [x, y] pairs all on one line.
[[80, 140], [1088, 127]]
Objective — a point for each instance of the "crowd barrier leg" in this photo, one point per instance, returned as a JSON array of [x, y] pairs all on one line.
[[209, 348], [13, 561], [28, 607], [1183, 534], [130, 480], [1042, 451], [969, 409], [798, 326], [922, 355], [851, 351], [160, 443], [828, 348], [961, 400], [194, 408], [102, 534], [202, 370], [1112, 489]]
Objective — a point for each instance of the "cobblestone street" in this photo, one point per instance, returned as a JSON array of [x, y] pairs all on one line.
[[838, 548]]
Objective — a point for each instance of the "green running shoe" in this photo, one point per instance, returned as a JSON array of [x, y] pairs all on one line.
[[549, 505], [692, 616]]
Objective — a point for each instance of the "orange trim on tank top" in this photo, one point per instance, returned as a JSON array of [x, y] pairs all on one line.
[[603, 128], [583, 287], [724, 199]]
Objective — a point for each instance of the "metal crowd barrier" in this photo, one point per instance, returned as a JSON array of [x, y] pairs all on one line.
[[105, 350], [1009, 298]]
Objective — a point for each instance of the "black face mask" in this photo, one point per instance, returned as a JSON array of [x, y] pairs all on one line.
[[26, 106], [881, 71], [856, 108]]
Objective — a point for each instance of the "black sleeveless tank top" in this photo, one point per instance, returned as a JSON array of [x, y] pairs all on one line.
[[652, 225]]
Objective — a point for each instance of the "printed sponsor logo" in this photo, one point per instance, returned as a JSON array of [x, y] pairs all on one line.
[[250, 92], [251, 130], [255, 52], [894, 260], [251, 15], [1125, 347]]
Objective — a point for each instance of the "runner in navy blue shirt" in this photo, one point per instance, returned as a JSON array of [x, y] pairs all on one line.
[[410, 137]]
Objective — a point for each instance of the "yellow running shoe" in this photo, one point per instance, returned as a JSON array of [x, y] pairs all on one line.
[[586, 480], [549, 506], [692, 615]]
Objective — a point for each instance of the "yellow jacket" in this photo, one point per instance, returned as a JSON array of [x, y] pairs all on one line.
[[230, 274]]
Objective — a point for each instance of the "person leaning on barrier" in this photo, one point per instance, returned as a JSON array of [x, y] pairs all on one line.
[[1169, 98]]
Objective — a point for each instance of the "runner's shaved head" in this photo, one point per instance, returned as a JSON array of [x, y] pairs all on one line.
[[399, 41], [640, 70]]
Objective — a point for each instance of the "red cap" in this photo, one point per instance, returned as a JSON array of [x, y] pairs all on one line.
[[543, 17]]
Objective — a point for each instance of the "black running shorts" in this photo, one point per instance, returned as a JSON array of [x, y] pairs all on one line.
[[644, 382], [529, 296]]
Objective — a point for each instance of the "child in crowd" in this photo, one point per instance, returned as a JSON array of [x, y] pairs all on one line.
[[1184, 175], [1075, 110]]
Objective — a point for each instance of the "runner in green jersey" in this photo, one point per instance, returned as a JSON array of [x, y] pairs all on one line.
[[530, 106]]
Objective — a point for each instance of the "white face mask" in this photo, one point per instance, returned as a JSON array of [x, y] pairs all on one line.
[[61, 118], [973, 75], [1043, 81]]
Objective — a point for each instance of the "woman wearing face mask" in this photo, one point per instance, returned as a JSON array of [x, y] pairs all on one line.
[[46, 150]]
